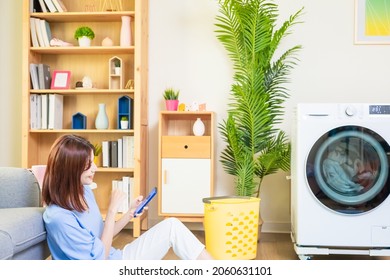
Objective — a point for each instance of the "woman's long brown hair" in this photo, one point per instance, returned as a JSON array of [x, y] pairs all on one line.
[[69, 157]]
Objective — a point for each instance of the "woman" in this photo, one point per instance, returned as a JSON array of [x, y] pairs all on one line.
[[75, 229]]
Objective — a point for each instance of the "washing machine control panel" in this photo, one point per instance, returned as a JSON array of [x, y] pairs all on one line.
[[379, 109], [350, 111]]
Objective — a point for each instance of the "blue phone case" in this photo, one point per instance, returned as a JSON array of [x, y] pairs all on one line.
[[144, 202]]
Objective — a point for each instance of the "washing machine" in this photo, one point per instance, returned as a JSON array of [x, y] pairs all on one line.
[[340, 179]]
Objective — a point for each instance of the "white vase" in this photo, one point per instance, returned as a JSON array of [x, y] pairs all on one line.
[[125, 39], [198, 127], [101, 121]]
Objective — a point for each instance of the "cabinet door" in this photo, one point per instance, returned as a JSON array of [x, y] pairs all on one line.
[[185, 182]]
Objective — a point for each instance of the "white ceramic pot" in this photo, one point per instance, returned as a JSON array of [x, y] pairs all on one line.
[[84, 41], [124, 124]]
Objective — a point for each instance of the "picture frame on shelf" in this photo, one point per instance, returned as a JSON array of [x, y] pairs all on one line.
[[60, 79], [368, 17]]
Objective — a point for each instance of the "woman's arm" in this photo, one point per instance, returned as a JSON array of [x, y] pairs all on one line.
[[128, 216], [109, 229]]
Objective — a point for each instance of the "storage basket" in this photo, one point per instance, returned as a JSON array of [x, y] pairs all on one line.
[[231, 227]]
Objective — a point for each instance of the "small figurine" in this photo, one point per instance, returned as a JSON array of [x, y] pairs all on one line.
[[107, 42], [87, 82]]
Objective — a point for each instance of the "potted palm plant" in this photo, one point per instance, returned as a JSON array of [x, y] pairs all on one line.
[[255, 146]]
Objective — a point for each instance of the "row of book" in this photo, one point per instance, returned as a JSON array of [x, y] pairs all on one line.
[[47, 6], [40, 76], [46, 111], [40, 32], [118, 153], [126, 185]]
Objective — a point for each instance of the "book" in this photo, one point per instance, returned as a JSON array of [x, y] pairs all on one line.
[[126, 190], [33, 111], [114, 153], [34, 75], [128, 151], [120, 153], [61, 3], [44, 110], [43, 6], [58, 6], [44, 77], [39, 111], [35, 7], [105, 154], [50, 6], [33, 33], [46, 32], [56, 105], [39, 32]]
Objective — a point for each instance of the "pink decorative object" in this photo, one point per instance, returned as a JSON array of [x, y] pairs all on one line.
[[39, 172], [171, 105]]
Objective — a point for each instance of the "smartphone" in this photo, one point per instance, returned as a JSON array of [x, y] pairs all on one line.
[[145, 202]]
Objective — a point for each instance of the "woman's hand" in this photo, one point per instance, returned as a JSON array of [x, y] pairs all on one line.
[[134, 204], [117, 198]]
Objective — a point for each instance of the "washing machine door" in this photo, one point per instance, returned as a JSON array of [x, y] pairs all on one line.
[[348, 169]]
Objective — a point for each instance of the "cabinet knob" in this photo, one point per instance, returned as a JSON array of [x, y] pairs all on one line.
[[185, 146]]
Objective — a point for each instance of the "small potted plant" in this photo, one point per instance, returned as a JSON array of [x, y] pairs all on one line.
[[117, 67], [97, 152], [84, 35], [171, 97], [124, 122]]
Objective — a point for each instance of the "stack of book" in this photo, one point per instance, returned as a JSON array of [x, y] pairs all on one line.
[[40, 32], [40, 76], [125, 184], [119, 153], [46, 111], [47, 6]]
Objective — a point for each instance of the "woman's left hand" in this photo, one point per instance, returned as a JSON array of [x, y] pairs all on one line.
[[134, 204]]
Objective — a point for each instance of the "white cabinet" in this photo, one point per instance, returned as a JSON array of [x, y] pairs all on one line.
[[185, 182], [186, 165]]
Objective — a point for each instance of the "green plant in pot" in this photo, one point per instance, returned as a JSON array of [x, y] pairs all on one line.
[[171, 97], [84, 35], [255, 147]]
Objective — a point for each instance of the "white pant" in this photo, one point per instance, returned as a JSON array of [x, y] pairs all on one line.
[[155, 242]]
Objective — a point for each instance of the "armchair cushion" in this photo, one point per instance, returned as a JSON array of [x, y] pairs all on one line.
[[18, 188]]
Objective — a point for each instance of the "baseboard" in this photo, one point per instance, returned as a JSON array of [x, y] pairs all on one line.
[[274, 227]]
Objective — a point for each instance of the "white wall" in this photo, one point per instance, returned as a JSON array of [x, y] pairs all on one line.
[[10, 82], [185, 54]]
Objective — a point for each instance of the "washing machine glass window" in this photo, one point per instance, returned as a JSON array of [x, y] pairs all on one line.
[[347, 169]]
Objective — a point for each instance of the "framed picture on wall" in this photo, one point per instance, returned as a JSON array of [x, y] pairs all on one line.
[[372, 19], [60, 79]]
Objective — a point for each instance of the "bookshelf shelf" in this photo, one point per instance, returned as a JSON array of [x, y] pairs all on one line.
[[115, 170], [86, 91], [90, 62], [83, 50], [83, 131], [84, 16]]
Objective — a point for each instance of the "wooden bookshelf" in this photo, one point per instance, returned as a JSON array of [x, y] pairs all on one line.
[[92, 62]]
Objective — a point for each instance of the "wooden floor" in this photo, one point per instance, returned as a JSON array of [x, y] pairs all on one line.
[[272, 246]]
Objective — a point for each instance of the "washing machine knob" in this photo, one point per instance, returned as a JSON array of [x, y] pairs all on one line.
[[350, 111]]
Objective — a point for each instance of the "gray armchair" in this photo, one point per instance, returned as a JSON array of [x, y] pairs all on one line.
[[22, 231]]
